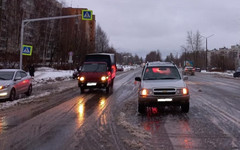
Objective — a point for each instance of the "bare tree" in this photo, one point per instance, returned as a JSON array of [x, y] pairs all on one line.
[[102, 42], [153, 56], [193, 47], [170, 58]]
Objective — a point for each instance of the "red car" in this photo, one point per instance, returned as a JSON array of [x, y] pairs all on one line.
[[98, 71]]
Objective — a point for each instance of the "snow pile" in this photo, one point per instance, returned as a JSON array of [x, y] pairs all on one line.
[[45, 75], [127, 68], [32, 98], [228, 73], [137, 132]]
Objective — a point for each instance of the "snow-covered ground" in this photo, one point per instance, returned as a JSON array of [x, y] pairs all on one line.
[[227, 73], [46, 74]]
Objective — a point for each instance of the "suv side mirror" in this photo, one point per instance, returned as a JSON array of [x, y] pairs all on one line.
[[138, 79], [185, 78]]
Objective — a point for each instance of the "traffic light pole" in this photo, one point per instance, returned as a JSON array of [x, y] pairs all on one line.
[[25, 22]]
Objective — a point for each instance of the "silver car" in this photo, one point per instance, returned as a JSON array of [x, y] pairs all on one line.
[[162, 84], [14, 82]]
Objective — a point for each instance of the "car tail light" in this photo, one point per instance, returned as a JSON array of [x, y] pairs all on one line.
[[185, 91], [25, 81]]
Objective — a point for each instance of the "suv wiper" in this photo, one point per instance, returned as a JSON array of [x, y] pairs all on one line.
[[168, 78], [150, 78]]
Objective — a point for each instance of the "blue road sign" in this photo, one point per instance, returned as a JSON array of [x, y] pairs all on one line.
[[27, 50], [87, 14]]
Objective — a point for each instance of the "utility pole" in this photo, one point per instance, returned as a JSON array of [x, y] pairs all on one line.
[[238, 57], [25, 22], [207, 49]]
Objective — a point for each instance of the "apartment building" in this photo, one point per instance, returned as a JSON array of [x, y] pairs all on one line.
[[232, 54], [78, 36]]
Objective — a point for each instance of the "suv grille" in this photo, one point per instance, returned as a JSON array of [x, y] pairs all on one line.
[[164, 91]]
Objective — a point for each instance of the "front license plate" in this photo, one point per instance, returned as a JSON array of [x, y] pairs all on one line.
[[91, 84], [165, 100]]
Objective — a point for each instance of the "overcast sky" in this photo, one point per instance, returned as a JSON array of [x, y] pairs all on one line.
[[139, 26]]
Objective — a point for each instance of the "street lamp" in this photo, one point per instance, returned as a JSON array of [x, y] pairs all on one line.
[[207, 48]]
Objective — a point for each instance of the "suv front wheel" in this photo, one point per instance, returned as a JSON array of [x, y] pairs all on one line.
[[141, 108], [185, 107]]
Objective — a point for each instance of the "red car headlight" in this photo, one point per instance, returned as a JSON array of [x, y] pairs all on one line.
[[81, 79]]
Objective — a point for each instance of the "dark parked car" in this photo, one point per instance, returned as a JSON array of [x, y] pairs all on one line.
[[198, 69], [189, 70], [237, 73]]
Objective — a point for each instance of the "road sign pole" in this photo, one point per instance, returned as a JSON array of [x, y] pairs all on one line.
[[22, 31], [25, 22]]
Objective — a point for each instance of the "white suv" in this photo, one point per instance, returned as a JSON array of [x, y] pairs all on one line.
[[162, 84]]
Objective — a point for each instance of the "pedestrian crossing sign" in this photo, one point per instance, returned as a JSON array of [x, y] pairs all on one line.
[[27, 50], [87, 14]]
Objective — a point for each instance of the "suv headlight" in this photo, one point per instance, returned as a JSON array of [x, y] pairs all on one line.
[[145, 92], [183, 91]]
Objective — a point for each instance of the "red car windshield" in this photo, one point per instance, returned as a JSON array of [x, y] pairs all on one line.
[[94, 67]]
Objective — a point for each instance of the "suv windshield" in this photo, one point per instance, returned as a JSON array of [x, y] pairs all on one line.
[[6, 75], [94, 67], [161, 73]]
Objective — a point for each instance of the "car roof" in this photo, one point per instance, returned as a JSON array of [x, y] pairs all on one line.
[[11, 70], [159, 63]]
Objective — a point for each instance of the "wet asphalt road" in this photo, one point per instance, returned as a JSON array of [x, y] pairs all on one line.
[[95, 120]]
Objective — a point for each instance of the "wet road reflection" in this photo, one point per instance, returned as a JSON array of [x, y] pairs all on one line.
[[102, 103], [184, 130], [80, 112], [169, 128], [97, 104], [2, 124]]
